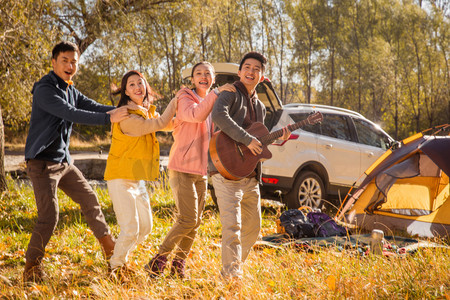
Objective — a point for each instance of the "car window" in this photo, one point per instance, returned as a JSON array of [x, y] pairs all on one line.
[[370, 135], [221, 79], [264, 95], [297, 117], [336, 126]]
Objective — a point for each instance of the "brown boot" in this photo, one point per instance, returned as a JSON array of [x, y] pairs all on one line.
[[108, 244], [33, 273]]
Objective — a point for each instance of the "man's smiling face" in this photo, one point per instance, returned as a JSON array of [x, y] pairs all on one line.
[[251, 73], [65, 65]]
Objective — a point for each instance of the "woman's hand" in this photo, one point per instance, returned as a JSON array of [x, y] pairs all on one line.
[[227, 87]]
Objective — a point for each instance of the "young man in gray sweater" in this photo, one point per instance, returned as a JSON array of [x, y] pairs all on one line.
[[239, 200]]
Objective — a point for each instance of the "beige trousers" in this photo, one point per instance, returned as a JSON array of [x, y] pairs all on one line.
[[240, 215], [189, 191]]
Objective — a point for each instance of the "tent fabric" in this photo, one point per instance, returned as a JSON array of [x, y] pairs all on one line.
[[385, 180], [438, 150], [400, 226], [416, 165], [407, 190]]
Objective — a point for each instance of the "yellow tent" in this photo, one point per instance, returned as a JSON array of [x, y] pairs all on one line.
[[406, 189]]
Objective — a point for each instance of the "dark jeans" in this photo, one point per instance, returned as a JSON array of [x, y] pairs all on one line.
[[46, 177]]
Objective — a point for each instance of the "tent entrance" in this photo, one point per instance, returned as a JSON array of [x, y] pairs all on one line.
[[409, 188]]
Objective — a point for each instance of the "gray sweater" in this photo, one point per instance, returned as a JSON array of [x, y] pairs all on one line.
[[228, 115]]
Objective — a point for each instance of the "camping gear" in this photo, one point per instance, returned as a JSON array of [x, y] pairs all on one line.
[[406, 189], [296, 224], [376, 241], [324, 225], [315, 224], [357, 244]]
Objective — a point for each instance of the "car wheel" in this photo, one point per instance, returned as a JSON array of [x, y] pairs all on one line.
[[308, 190]]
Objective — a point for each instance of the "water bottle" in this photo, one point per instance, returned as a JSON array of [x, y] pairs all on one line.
[[376, 242]]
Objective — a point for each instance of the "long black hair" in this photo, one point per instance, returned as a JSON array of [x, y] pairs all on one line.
[[149, 94]]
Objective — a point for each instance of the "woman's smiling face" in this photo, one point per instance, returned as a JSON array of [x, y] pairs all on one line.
[[203, 77], [136, 89]]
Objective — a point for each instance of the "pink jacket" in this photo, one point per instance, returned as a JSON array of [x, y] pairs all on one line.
[[189, 152]]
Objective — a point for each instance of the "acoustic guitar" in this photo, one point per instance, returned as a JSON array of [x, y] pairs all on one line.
[[235, 161]]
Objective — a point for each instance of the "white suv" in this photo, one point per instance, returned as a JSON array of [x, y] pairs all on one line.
[[318, 160], [321, 159]]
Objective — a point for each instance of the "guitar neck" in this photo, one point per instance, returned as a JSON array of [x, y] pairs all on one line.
[[271, 137]]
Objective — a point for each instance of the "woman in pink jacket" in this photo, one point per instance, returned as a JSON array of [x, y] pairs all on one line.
[[188, 161]]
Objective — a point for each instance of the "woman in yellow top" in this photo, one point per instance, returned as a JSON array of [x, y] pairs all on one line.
[[133, 159]]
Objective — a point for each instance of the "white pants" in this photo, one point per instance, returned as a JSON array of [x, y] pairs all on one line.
[[240, 215], [134, 216]]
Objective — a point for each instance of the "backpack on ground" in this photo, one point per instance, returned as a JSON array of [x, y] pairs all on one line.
[[296, 224], [324, 225]]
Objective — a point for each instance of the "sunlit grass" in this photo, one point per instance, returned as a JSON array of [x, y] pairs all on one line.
[[76, 268], [93, 143]]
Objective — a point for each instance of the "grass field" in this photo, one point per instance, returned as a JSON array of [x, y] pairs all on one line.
[[77, 270]]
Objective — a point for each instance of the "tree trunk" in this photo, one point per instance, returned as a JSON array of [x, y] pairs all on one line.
[[3, 186], [280, 18], [396, 89], [332, 78], [203, 40]]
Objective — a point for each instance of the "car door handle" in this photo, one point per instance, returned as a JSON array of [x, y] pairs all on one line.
[[328, 146], [370, 154]]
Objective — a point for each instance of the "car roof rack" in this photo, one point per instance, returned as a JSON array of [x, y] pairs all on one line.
[[322, 106]]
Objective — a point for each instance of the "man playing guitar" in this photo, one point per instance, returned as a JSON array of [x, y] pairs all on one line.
[[239, 200]]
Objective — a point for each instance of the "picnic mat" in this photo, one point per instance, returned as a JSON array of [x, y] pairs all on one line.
[[392, 245]]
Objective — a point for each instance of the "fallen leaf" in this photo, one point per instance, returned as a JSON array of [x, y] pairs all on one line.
[[331, 282]]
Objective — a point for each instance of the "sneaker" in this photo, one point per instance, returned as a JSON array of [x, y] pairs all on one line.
[[156, 266], [177, 268]]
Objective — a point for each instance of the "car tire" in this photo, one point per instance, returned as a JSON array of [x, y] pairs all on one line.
[[308, 190]]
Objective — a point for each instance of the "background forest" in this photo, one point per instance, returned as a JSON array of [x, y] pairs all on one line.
[[387, 59]]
